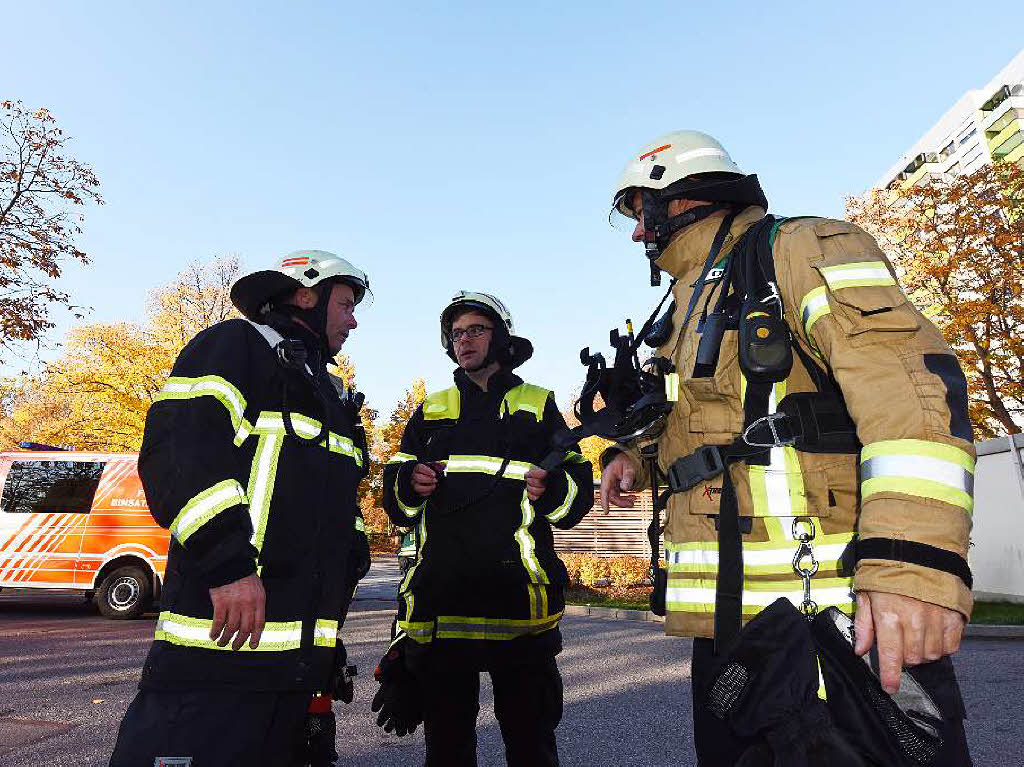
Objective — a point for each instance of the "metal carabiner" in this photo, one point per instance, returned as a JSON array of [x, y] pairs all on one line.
[[777, 440]]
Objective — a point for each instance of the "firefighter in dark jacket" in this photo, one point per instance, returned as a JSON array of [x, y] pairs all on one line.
[[251, 457], [486, 591]]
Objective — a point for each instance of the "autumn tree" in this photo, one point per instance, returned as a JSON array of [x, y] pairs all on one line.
[[40, 186], [389, 439], [368, 495], [958, 243], [591, 447], [96, 395]]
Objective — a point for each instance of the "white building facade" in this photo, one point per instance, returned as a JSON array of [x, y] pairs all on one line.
[[983, 125]]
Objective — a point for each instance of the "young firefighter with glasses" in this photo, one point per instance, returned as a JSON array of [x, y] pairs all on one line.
[[486, 591]]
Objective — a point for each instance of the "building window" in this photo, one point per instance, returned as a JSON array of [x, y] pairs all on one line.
[[963, 138], [55, 487], [947, 151]]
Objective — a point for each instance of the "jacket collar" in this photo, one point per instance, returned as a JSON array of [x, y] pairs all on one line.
[[690, 247], [498, 385]]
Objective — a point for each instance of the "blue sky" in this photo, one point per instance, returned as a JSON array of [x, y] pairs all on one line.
[[460, 145]]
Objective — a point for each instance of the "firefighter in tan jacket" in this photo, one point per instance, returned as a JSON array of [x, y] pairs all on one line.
[[888, 529]]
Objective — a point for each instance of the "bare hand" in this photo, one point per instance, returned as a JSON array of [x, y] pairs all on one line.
[[617, 478], [536, 483], [909, 632], [424, 480], [239, 607]]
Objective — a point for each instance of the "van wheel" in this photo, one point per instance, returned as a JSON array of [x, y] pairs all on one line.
[[124, 594]]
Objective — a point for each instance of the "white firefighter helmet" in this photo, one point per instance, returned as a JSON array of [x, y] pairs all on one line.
[[519, 349], [253, 293], [670, 160]]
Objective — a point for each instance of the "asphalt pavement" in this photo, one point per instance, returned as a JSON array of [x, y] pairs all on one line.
[[67, 675]]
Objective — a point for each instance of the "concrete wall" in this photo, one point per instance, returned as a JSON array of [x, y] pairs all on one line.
[[997, 550]]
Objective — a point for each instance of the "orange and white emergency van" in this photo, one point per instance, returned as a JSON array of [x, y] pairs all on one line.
[[75, 520]]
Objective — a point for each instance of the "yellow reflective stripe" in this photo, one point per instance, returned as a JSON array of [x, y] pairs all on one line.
[[270, 422], [774, 557], [777, 490], [538, 600], [919, 447], [442, 405], [573, 457], [821, 679], [261, 484], [465, 627], [360, 524], [563, 508], [277, 635], [325, 633], [813, 307], [485, 464], [858, 274], [527, 546], [699, 595], [181, 387], [403, 589], [204, 506], [917, 467], [401, 458], [418, 631], [526, 397], [672, 387], [409, 511]]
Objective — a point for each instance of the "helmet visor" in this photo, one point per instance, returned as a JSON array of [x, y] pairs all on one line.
[[622, 217]]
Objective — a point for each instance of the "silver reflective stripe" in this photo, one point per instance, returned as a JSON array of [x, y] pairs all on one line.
[[918, 467], [205, 506], [528, 546], [261, 484], [277, 635], [563, 508], [754, 558], [401, 458], [485, 464], [762, 598]]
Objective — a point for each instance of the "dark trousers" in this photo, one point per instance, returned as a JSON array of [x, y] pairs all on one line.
[[527, 705], [718, 746], [214, 728]]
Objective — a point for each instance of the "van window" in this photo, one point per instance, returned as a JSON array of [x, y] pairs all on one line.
[[51, 486]]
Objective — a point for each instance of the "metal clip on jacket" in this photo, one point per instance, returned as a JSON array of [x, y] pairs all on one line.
[[773, 421]]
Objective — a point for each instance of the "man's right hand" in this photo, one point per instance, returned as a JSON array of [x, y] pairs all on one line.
[[617, 478], [238, 611], [424, 479]]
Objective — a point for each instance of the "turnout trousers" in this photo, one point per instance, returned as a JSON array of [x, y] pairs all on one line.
[[215, 728], [718, 746], [527, 705]]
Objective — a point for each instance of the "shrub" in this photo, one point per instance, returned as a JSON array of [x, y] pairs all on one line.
[[628, 571], [573, 563], [593, 568]]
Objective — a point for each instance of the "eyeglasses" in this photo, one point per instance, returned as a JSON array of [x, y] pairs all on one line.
[[473, 331]]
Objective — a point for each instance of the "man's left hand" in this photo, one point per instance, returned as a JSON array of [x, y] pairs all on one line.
[[536, 483], [909, 632]]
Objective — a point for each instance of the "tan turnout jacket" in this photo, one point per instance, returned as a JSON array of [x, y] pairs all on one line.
[[913, 479]]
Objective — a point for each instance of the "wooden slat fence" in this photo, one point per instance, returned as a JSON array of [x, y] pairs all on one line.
[[621, 532]]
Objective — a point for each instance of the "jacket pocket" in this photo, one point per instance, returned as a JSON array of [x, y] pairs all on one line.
[[862, 290], [716, 409]]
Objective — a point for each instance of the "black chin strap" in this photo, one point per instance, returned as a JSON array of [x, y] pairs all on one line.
[[662, 227]]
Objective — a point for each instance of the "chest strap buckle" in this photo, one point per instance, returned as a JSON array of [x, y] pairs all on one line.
[[689, 471]]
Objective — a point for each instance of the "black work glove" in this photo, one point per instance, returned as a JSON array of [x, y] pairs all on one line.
[[398, 699], [318, 740], [359, 556], [341, 677]]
